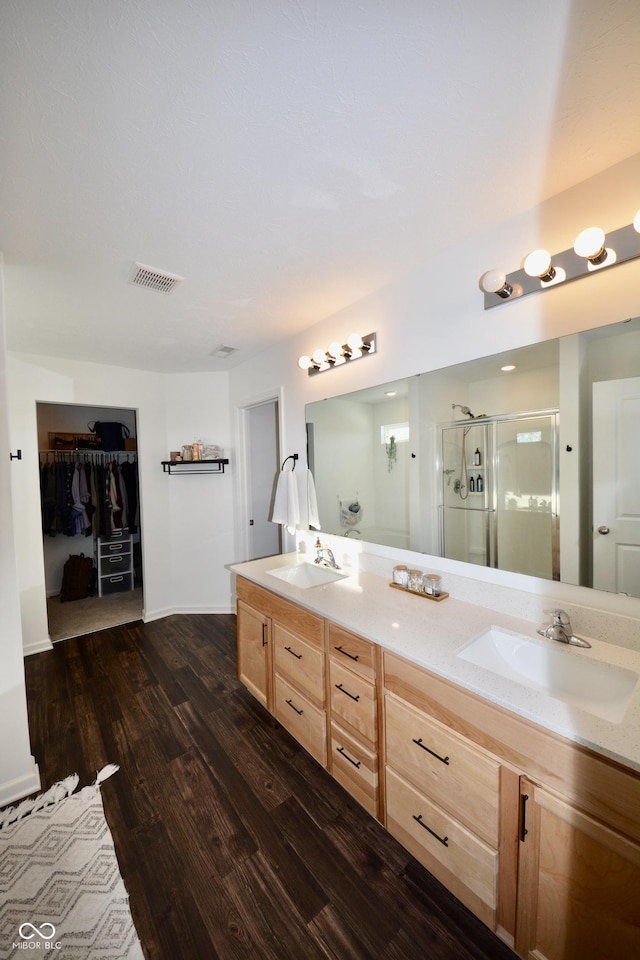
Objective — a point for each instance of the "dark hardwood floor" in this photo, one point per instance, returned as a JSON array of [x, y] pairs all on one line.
[[232, 841]]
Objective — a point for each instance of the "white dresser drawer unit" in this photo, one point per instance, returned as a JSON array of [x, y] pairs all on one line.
[[115, 563]]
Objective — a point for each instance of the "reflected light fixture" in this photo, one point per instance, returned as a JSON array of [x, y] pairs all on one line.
[[593, 250], [338, 353], [508, 367]]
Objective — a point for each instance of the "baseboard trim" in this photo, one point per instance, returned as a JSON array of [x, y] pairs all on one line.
[[21, 787], [149, 616], [38, 646]]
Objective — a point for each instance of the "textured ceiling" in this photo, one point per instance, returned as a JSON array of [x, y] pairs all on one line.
[[286, 157]]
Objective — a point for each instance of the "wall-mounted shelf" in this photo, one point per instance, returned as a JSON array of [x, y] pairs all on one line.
[[193, 466]]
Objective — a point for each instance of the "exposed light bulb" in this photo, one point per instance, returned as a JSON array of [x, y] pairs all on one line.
[[590, 244], [304, 362], [335, 349], [354, 340], [319, 356], [494, 281], [636, 222], [538, 264]]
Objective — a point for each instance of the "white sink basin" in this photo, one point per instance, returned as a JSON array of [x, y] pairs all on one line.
[[560, 671], [306, 575]]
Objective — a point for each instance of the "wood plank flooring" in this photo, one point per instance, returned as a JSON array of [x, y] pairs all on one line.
[[233, 843]]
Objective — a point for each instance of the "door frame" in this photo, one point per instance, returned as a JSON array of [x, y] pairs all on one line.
[[242, 485]]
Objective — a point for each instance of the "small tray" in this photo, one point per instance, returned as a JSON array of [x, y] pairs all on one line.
[[417, 593]]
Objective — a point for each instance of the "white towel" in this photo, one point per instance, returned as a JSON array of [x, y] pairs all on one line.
[[312, 502], [286, 509]]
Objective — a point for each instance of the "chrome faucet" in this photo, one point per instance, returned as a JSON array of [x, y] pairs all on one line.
[[329, 560], [348, 533], [560, 629]]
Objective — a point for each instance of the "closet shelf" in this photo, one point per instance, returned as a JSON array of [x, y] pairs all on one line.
[[193, 466]]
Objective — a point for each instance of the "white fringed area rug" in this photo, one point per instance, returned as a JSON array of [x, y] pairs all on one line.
[[61, 893]]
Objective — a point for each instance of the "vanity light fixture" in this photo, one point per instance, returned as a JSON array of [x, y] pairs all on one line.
[[494, 281], [593, 250], [538, 264], [338, 353]]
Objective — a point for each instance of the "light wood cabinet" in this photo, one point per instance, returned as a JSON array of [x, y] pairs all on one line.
[[254, 652], [353, 704], [466, 865], [556, 875], [281, 662], [578, 883], [443, 804]]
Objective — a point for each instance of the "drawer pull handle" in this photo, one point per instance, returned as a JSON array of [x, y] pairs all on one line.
[[264, 634], [339, 687], [298, 656], [443, 840], [523, 816], [115, 559], [299, 712], [344, 753], [116, 579], [419, 743], [115, 546], [350, 655]]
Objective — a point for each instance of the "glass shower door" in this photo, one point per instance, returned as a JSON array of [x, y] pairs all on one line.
[[465, 503], [526, 495]]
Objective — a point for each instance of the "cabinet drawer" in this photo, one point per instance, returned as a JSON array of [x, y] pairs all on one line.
[[355, 767], [300, 663], [444, 767], [353, 699], [302, 719], [355, 652], [118, 563], [115, 584], [110, 548], [464, 864]]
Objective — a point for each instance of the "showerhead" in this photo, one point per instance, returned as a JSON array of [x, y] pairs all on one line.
[[464, 410]]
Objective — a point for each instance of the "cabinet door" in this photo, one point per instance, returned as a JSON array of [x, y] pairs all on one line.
[[578, 885], [254, 658]]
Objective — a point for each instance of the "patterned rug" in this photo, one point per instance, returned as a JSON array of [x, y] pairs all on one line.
[[61, 893]]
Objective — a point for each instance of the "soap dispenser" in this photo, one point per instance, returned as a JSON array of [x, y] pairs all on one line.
[[476, 457], [318, 549]]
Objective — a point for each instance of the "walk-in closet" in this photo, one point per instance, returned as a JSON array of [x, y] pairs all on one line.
[[90, 508]]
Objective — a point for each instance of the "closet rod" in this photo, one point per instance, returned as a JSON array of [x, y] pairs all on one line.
[[91, 456]]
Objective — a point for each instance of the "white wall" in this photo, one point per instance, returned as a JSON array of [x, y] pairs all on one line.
[[18, 771], [182, 550], [199, 535]]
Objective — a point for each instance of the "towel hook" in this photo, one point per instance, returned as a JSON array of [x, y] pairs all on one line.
[[294, 457]]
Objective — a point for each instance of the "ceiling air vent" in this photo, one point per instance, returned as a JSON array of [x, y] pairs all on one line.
[[223, 351], [144, 276]]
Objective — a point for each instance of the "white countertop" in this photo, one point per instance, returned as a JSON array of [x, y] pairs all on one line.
[[431, 634]]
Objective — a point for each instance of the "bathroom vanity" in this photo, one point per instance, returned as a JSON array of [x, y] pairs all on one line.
[[525, 806]]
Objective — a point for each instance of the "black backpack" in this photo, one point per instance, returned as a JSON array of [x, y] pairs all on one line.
[[77, 577]]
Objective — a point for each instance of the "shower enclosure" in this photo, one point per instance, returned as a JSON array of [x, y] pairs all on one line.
[[500, 493]]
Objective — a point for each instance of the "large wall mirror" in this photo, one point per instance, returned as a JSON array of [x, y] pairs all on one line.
[[528, 460]]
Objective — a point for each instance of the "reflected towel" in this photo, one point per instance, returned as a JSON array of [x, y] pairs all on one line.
[[286, 509], [312, 502]]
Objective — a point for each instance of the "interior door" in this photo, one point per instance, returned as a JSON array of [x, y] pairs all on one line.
[[616, 486], [263, 466]]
